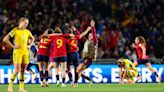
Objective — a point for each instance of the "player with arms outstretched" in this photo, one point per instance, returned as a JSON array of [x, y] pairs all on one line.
[[21, 36], [73, 55], [127, 71], [89, 53], [140, 45]]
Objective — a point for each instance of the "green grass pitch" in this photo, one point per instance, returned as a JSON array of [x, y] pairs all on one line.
[[140, 87]]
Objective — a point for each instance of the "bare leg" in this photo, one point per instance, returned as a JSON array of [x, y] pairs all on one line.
[[69, 72], [64, 64], [15, 73], [148, 65], [21, 79]]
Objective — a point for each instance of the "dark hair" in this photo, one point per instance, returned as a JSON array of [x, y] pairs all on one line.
[[50, 31], [57, 30], [69, 30]]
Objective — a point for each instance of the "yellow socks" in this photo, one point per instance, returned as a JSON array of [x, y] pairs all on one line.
[[21, 81], [13, 76]]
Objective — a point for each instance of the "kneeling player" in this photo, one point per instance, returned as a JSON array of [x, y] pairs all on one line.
[[127, 71]]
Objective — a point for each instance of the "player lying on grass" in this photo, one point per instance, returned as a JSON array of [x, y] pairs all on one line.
[[127, 71]]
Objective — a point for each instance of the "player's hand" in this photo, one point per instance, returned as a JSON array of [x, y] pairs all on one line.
[[144, 57], [133, 45], [89, 28], [17, 46], [28, 46], [71, 35], [92, 23], [73, 28]]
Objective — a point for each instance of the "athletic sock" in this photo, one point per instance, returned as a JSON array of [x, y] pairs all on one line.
[[41, 76], [21, 81], [76, 77], [46, 73], [13, 76], [70, 76]]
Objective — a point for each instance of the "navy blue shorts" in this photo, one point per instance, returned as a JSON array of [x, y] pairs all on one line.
[[143, 61], [60, 59], [42, 58], [30, 65], [87, 62], [73, 58]]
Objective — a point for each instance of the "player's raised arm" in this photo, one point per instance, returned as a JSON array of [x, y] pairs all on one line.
[[85, 32], [75, 30], [133, 45], [93, 30], [6, 40], [120, 74]]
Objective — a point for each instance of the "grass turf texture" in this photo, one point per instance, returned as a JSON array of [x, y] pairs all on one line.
[[149, 87]]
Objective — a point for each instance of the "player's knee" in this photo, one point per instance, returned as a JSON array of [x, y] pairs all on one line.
[[22, 70], [16, 70]]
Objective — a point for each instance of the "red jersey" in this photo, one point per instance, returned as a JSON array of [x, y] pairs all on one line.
[[59, 46], [73, 44], [44, 46], [139, 51], [95, 41]]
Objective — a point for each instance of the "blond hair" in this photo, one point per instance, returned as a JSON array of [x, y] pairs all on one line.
[[142, 40], [23, 19]]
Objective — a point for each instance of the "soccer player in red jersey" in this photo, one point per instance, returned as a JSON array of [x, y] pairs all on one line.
[[73, 55], [60, 54], [43, 56], [140, 45], [51, 59]]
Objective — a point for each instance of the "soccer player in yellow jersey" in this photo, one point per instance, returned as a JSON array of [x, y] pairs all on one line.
[[127, 71], [21, 36]]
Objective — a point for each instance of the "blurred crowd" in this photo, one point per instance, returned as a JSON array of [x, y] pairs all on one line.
[[118, 22]]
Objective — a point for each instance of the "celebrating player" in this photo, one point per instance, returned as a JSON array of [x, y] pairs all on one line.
[[88, 55], [127, 71], [51, 57], [73, 55], [21, 36], [59, 55], [43, 56], [140, 45]]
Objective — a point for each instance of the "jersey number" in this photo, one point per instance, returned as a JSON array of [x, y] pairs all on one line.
[[73, 43], [43, 41], [59, 43]]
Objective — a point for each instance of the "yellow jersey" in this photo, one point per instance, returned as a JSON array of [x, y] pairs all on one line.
[[20, 38], [129, 65]]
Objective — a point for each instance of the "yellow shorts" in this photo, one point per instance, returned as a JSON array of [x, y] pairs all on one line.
[[132, 74], [21, 58]]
